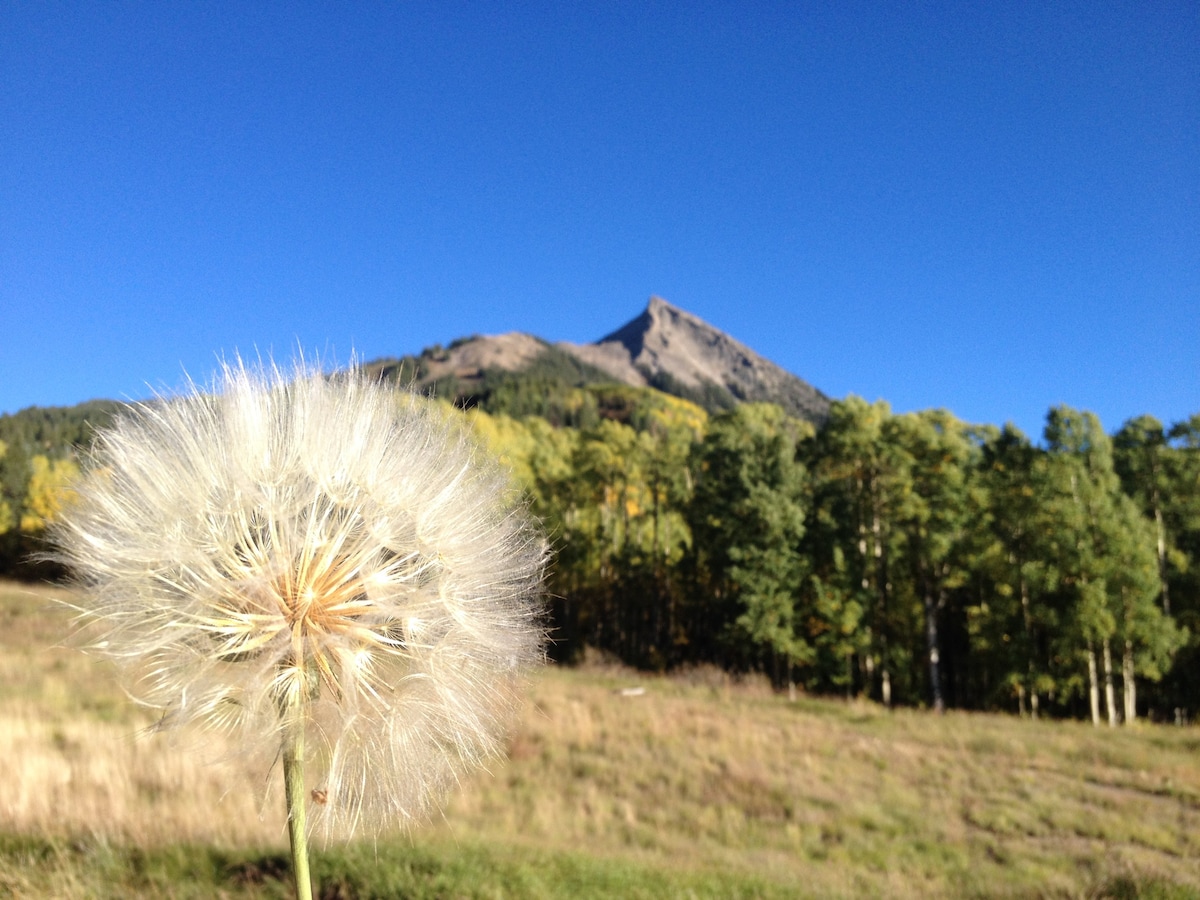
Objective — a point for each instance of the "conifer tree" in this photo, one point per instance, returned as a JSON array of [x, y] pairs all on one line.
[[747, 521]]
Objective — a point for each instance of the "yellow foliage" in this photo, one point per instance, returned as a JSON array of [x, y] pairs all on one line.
[[537, 453], [678, 413], [504, 437], [50, 490]]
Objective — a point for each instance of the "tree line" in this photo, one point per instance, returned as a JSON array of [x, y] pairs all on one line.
[[911, 558]]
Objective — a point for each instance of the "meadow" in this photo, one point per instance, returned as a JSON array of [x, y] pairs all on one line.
[[618, 784]]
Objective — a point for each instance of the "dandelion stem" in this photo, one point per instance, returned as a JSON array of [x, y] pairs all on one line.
[[293, 779]]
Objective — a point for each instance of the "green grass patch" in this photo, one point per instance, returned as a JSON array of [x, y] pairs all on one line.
[[77, 869]]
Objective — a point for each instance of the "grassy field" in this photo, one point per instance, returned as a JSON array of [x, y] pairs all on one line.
[[696, 787]]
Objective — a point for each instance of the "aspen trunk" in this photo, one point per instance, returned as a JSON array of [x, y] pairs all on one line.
[[931, 641], [1093, 684], [1110, 697], [882, 587], [1129, 684], [1027, 617], [1162, 556]]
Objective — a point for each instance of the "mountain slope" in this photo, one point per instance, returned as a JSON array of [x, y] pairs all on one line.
[[671, 349], [664, 347]]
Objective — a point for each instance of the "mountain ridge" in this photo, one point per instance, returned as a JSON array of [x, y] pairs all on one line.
[[663, 347]]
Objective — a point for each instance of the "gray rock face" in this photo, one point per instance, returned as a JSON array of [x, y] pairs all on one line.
[[666, 347], [468, 359]]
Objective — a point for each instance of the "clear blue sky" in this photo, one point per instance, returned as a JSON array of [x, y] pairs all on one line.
[[987, 207]]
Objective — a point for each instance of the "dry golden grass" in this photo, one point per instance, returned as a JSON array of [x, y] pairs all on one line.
[[77, 758], [817, 797], [844, 799]]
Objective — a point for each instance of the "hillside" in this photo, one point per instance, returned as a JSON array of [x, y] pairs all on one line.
[[617, 785]]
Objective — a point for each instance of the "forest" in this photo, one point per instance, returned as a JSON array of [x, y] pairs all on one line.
[[913, 558]]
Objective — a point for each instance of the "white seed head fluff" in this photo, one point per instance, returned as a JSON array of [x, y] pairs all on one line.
[[291, 541]]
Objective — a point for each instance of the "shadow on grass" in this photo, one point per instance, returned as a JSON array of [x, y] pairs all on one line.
[[68, 868]]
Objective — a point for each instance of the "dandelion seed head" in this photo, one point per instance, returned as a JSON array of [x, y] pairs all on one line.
[[288, 541]]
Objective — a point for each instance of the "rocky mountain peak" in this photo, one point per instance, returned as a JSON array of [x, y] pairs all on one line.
[[663, 347], [669, 348]]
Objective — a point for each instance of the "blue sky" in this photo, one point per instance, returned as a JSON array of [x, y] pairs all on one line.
[[987, 207]]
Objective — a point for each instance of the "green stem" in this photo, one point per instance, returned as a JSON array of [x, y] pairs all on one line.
[[293, 779]]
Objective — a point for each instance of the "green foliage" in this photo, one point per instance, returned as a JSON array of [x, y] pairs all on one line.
[[911, 558], [860, 485], [56, 431], [1160, 471], [939, 502], [747, 516], [712, 397]]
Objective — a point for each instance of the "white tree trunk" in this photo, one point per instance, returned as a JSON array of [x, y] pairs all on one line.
[[1129, 684], [1110, 695], [1162, 556], [1093, 684]]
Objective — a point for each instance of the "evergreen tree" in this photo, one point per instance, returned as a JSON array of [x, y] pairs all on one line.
[[747, 521]]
